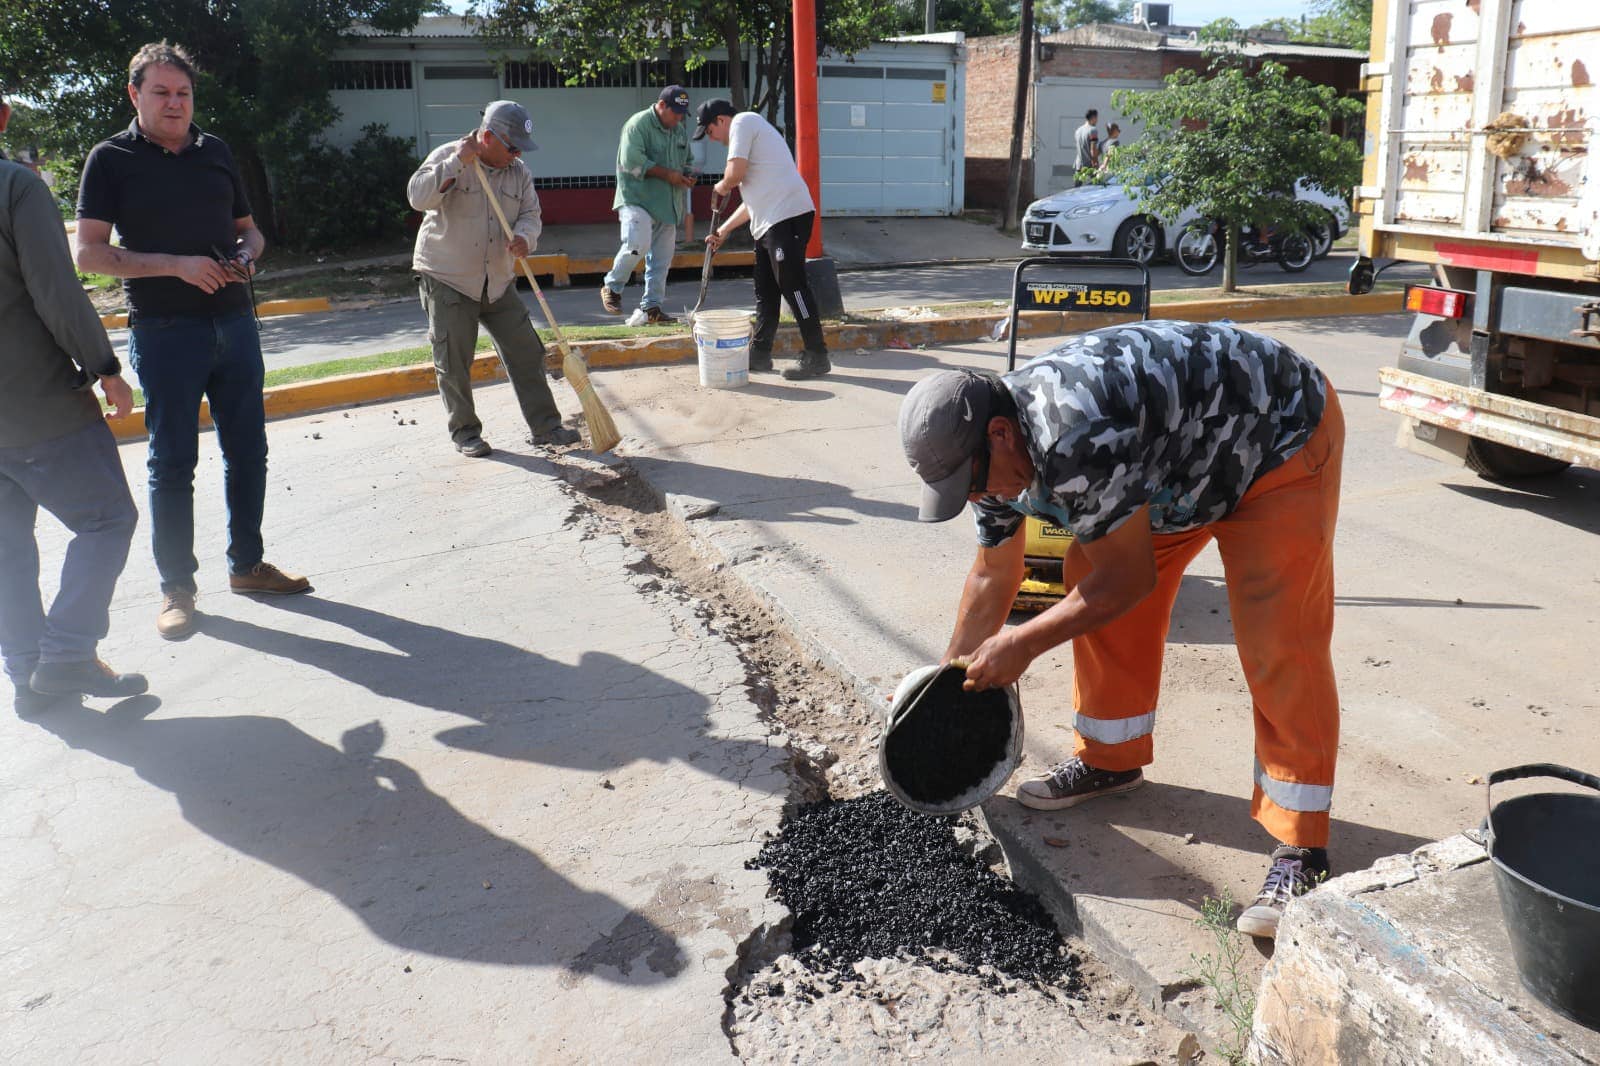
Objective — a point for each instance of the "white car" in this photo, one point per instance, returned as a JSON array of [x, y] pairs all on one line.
[[1105, 220]]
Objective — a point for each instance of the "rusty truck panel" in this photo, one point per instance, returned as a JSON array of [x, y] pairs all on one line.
[[1486, 119]]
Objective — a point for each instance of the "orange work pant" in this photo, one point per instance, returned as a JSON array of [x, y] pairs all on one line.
[[1277, 557]]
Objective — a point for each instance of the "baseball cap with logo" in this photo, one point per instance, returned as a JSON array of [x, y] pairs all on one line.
[[677, 98], [944, 422], [509, 121], [708, 114]]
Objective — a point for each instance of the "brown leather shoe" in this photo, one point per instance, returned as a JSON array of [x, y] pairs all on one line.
[[654, 316], [176, 619], [268, 580], [610, 300]]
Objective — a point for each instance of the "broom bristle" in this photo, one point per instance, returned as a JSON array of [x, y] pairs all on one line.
[[603, 435]]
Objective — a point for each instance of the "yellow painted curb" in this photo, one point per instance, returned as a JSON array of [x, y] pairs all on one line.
[[266, 309], [348, 390]]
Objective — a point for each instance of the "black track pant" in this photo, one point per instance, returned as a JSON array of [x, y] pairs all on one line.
[[780, 271]]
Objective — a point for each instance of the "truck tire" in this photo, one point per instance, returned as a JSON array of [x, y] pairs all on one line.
[[1500, 462]]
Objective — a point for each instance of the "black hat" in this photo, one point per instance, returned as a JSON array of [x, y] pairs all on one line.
[[676, 97], [709, 112]]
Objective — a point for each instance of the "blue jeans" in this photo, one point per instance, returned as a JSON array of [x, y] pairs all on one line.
[[179, 359], [78, 478], [654, 242]]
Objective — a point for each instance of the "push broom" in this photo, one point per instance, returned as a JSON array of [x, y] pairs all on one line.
[[603, 435]]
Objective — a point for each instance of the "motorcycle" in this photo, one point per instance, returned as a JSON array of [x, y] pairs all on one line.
[[1199, 247]]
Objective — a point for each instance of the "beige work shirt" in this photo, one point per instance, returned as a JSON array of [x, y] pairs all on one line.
[[460, 242]]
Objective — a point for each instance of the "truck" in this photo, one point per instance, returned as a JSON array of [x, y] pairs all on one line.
[[1480, 136]]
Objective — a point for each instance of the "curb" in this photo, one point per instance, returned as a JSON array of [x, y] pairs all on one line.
[[347, 390], [264, 309]]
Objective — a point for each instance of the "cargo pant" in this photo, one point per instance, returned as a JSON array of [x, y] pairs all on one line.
[[453, 332], [1277, 558]]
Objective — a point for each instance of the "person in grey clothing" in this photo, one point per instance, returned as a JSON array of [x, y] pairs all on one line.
[[1086, 146], [466, 273], [56, 452]]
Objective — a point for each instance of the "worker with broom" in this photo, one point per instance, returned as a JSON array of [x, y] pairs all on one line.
[[466, 267], [1148, 441]]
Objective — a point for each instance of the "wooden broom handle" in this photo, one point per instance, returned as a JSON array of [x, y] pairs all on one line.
[[499, 213]]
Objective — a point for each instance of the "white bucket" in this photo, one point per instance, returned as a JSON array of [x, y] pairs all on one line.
[[723, 340]]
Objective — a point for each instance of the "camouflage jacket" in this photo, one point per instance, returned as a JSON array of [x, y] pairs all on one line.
[[1181, 416]]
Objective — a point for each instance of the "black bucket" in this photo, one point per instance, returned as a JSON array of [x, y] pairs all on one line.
[[1546, 853]]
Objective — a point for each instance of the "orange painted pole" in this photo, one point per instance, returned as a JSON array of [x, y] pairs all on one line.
[[807, 153]]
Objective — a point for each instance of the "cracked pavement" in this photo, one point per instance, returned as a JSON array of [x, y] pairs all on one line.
[[484, 796]]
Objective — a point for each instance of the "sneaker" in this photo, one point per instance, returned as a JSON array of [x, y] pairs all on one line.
[[611, 300], [176, 619], [473, 447], [1072, 782], [559, 437], [85, 677], [1295, 871], [268, 580], [811, 365], [761, 362], [654, 316]]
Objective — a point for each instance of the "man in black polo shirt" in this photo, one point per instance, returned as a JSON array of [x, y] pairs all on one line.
[[188, 244]]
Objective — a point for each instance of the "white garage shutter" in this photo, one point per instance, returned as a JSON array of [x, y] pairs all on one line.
[[887, 138]]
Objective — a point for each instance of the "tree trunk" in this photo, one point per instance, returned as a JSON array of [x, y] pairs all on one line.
[[258, 188], [730, 38], [1019, 116], [1230, 259]]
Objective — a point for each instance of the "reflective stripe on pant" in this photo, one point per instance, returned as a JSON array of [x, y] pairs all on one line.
[[1277, 557]]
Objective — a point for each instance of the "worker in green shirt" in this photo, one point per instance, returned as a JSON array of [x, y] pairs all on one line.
[[651, 164]]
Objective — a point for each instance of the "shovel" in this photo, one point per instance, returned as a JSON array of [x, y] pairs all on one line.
[[705, 265]]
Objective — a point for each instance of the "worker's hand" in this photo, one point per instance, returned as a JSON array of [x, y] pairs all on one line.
[[714, 239], [681, 180], [998, 662], [467, 151], [203, 272], [119, 394], [722, 189], [518, 247]]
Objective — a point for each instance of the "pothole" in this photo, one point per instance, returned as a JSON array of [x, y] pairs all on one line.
[[905, 937]]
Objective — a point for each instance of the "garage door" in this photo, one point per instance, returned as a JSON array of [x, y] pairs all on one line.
[[887, 138], [452, 98]]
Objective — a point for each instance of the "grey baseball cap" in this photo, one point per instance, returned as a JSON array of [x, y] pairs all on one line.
[[943, 423], [509, 121]]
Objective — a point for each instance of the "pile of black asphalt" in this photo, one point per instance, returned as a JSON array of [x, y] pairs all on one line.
[[868, 878]]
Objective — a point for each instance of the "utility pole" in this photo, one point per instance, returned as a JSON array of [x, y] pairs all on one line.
[[1019, 116], [930, 21], [808, 154]]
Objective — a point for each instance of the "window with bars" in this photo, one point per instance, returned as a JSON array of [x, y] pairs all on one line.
[[358, 74], [546, 76], [712, 74]]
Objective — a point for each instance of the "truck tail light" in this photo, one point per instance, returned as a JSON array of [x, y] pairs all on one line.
[[1443, 303]]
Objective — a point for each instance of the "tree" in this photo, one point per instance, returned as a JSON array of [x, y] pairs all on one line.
[[1056, 15], [264, 79], [583, 38], [1231, 144], [1346, 22], [1019, 116], [975, 18]]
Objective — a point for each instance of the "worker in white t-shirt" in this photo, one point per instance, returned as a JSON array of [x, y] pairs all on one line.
[[779, 208]]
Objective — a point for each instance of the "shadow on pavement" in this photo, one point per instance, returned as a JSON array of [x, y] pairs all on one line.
[[1571, 497], [368, 831], [602, 714], [1100, 858], [763, 498]]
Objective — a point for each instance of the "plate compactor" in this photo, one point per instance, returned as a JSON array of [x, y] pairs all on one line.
[[1046, 283]]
